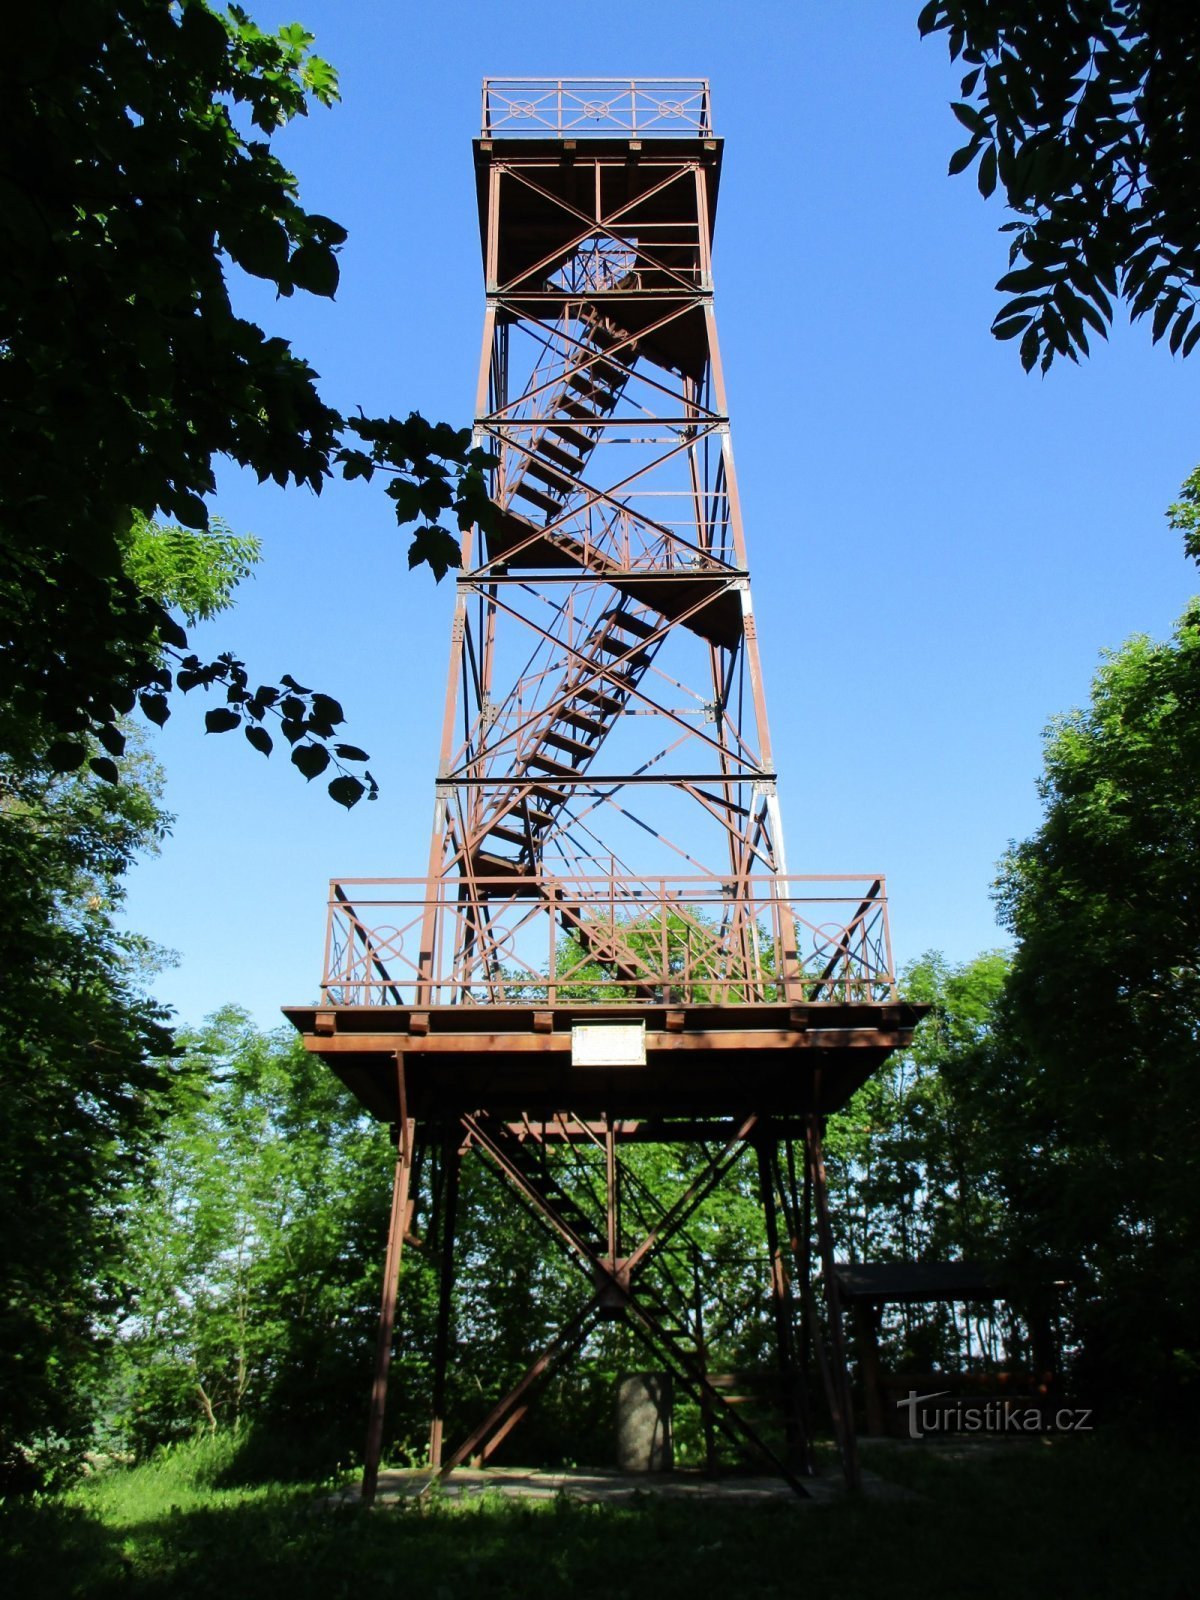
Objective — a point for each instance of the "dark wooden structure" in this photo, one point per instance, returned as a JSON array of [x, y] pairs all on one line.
[[865, 1289], [545, 985]]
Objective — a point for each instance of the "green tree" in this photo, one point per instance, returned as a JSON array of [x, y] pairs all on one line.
[[139, 173], [914, 1160], [254, 1250], [86, 1076], [1087, 115], [1102, 1010]]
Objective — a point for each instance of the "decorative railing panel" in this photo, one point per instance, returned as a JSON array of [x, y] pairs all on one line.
[[544, 939], [567, 108]]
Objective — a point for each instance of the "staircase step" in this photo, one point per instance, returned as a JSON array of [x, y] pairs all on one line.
[[488, 865], [610, 643], [499, 830], [563, 741], [604, 333], [612, 376], [600, 396], [549, 764], [581, 413], [546, 792], [579, 718], [607, 704], [537, 498], [628, 622], [562, 458], [582, 441], [560, 482]]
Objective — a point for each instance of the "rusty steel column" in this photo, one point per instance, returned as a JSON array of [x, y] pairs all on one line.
[[397, 1228], [781, 1308], [452, 1160], [839, 1378]]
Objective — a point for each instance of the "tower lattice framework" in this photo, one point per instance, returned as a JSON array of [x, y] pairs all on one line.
[[607, 947], [605, 720]]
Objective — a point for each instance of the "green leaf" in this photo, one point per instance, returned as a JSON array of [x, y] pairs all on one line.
[[104, 768], [314, 268], [260, 248], [347, 791], [1180, 328], [312, 759], [971, 118], [65, 755], [259, 738], [350, 752], [221, 720], [112, 739], [326, 709], [962, 159], [987, 172], [356, 464], [154, 706], [1023, 278], [929, 17], [170, 632], [190, 510], [1163, 313], [1010, 328], [437, 549]]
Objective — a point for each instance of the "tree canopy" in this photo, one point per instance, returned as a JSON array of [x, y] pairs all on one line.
[[86, 1078], [1102, 1009], [139, 171], [1087, 114]]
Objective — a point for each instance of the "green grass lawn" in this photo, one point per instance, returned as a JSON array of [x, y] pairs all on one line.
[[1095, 1516]]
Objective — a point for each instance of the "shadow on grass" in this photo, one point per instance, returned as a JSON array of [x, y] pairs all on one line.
[[1072, 1519]]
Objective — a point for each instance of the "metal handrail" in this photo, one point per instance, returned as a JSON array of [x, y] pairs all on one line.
[[571, 108], [752, 939]]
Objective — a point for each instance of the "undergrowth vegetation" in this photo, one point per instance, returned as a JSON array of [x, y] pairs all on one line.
[[1106, 1515]]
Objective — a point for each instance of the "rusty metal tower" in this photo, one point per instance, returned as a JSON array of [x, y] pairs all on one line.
[[607, 945]]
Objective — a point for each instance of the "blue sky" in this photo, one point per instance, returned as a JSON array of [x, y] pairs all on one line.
[[940, 545]]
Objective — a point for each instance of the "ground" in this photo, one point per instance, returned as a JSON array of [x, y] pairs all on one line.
[[1105, 1515]]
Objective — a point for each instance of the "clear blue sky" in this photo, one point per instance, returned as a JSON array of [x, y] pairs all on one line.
[[941, 546]]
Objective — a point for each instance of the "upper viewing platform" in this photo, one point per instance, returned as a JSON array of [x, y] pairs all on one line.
[[573, 108]]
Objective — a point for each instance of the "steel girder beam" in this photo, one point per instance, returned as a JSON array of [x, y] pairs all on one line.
[[615, 1282]]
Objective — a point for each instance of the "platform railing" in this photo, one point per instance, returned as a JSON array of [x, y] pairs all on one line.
[[571, 108], [574, 940]]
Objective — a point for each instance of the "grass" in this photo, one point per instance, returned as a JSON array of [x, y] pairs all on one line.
[[1095, 1516]]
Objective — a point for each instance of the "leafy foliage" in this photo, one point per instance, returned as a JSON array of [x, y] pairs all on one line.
[[1184, 515], [139, 170], [914, 1160], [254, 1249], [86, 1077], [1087, 114], [188, 570], [1102, 1012]]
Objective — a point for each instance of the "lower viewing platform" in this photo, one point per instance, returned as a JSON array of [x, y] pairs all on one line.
[[701, 1061], [658, 1001]]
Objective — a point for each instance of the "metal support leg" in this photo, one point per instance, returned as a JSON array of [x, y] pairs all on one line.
[[781, 1306], [839, 1382], [397, 1227], [504, 1416], [451, 1160]]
